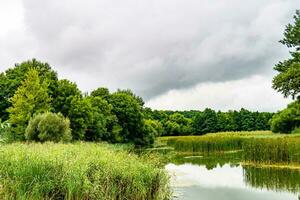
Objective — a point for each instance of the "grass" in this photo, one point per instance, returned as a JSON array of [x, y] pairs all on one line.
[[78, 171], [214, 142], [258, 147]]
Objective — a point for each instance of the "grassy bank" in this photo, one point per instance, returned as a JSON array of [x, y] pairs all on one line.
[[214, 142], [257, 147], [78, 171]]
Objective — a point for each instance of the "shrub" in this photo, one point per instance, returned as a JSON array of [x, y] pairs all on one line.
[[286, 120], [48, 127]]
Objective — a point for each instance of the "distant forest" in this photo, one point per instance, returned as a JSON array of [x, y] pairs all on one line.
[[195, 122]]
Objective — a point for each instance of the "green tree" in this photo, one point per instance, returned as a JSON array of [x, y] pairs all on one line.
[[64, 93], [288, 80], [80, 115], [104, 124], [206, 122], [48, 127], [177, 124], [101, 92], [137, 98], [12, 78], [31, 97], [129, 113], [287, 120]]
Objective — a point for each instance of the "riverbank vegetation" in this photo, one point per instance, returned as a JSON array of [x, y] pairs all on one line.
[[261, 147], [78, 171]]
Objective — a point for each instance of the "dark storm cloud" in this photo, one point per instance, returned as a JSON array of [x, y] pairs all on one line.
[[159, 45]]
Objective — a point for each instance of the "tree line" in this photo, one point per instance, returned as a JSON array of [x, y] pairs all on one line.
[[208, 121], [36, 105]]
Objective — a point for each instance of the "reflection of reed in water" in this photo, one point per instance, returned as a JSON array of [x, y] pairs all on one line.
[[210, 162], [273, 179]]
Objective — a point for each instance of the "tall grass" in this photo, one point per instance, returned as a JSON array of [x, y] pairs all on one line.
[[257, 147], [214, 142], [78, 171], [272, 150]]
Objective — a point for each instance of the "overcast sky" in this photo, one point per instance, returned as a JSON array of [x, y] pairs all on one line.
[[176, 54]]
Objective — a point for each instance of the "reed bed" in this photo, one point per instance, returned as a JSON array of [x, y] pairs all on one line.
[[272, 150], [214, 142], [257, 147], [78, 171]]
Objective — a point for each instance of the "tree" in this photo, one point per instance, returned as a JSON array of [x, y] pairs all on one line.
[[287, 120], [205, 122], [177, 124], [137, 98], [288, 80], [31, 97], [12, 78], [63, 96], [80, 115], [129, 113], [104, 124], [101, 92], [48, 127]]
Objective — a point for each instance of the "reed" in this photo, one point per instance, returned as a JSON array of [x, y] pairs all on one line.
[[257, 147], [78, 171]]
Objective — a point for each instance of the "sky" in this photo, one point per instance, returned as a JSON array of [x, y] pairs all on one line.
[[176, 54]]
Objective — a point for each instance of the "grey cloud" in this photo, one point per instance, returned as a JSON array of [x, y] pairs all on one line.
[[155, 46]]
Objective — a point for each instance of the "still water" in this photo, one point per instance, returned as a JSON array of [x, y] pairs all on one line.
[[196, 180]]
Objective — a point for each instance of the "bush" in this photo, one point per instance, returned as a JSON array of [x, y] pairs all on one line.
[[286, 120], [48, 127]]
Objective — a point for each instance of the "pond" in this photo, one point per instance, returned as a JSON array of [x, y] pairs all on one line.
[[207, 178]]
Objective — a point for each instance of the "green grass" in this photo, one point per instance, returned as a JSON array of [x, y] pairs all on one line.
[[258, 147], [78, 171], [213, 142]]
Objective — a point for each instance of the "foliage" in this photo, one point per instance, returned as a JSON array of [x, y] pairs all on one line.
[[130, 93], [63, 96], [31, 97], [101, 92], [4, 131], [12, 78], [288, 79], [78, 171], [206, 122], [286, 120], [104, 124], [80, 115], [48, 127], [129, 113]]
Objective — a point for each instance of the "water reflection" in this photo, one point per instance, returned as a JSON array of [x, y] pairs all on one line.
[[208, 178], [273, 179]]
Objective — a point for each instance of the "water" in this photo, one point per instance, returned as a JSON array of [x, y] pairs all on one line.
[[207, 181]]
